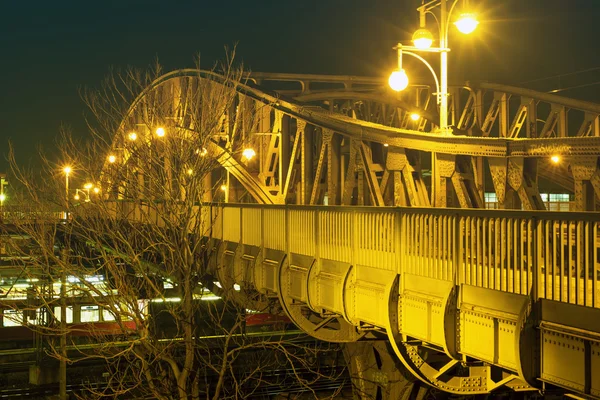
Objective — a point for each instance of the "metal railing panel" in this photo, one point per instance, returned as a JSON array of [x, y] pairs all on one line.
[[274, 229], [252, 226], [232, 224], [496, 253], [428, 245], [334, 236], [374, 240], [302, 232]]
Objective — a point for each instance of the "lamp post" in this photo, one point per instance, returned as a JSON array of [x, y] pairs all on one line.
[[67, 170], [3, 182], [422, 40]]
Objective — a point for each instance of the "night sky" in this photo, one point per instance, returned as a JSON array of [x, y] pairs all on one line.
[[52, 49]]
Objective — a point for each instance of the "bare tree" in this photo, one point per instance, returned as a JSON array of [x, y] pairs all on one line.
[[136, 244]]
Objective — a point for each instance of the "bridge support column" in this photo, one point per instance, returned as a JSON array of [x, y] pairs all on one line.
[[587, 182], [376, 373]]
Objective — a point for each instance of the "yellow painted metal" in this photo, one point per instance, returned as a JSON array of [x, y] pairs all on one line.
[[570, 345], [231, 224], [423, 308], [326, 286], [489, 326], [252, 226], [367, 293], [274, 231]]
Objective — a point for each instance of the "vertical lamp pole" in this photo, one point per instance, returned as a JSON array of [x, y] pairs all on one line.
[[63, 303], [2, 195], [67, 170], [423, 40]]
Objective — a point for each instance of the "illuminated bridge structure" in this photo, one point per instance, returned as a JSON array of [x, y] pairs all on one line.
[[342, 220]]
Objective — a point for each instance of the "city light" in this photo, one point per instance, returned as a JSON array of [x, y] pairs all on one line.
[[112, 159], [190, 171], [132, 136], [96, 190], [223, 187], [555, 159], [76, 197], [248, 153], [415, 116], [422, 38], [398, 80], [2, 197], [466, 23], [160, 132], [67, 170], [88, 186]]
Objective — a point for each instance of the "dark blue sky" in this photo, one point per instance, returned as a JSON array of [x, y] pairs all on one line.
[[50, 49]]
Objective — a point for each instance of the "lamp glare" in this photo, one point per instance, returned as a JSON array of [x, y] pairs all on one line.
[[248, 153], [467, 23], [415, 116], [112, 159], [160, 132], [132, 136], [398, 80], [555, 159]]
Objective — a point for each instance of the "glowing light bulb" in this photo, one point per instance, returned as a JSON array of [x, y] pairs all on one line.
[[160, 132], [398, 80], [223, 187], [76, 197], [67, 170], [555, 159], [415, 116], [190, 171], [248, 153], [96, 190], [132, 136], [467, 23], [112, 159], [422, 38], [87, 186]]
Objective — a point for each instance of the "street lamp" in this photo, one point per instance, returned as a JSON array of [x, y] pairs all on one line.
[[422, 40], [3, 182], [85, 192], [67, 171]]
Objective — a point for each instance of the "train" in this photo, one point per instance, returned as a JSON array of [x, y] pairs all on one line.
[[88, 323]]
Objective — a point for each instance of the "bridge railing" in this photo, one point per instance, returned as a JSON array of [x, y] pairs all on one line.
[[543, 254], [552, 255]]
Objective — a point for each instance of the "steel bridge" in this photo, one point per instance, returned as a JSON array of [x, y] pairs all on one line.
[[364, 222]]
